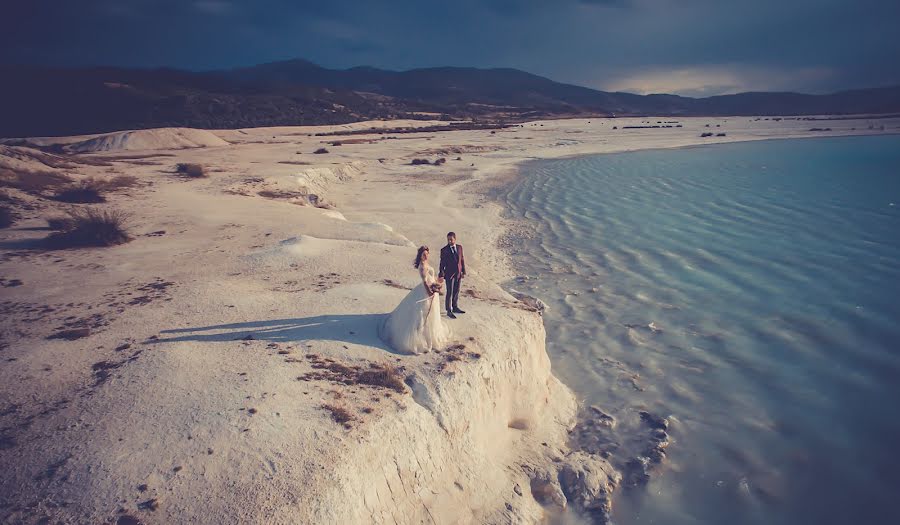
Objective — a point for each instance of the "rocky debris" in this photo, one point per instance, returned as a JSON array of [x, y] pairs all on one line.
[[588, 482], [581, 480], [546, 490], [603, 418], [532, 302]]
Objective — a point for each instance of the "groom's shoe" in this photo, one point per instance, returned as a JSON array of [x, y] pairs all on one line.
[[450, 315], [458, 311]]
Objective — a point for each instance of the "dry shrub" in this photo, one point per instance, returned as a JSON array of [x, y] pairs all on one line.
[[440, 161], [194, 171], [33, 181], [90, 228], [386, 376], [320, 151], [60, 223], [339, 414], [7, 218], [88, 191], [417, 162]]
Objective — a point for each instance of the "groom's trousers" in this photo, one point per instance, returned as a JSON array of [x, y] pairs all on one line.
[[451, 300]]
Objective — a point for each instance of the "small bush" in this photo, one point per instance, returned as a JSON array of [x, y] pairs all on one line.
[[418, 162], [194, 171], [90, 227], [706, 135], [320, 151], [720, 134], [85, 192], [7, 218], [440, 161]]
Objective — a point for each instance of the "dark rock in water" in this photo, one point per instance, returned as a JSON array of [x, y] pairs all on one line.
[[603, 418], [637, 471], [661, 423], [659, 434], [588, 482]]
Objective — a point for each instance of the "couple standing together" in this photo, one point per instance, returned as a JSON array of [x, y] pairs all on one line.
[[415, 326]]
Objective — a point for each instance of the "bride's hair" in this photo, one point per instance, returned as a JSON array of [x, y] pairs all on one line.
[[418, 261]]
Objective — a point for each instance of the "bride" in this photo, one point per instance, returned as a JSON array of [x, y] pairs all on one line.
[[415, 325]]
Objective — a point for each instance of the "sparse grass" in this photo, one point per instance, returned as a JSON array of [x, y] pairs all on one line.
[[194, 171], [320, 151], [339, 414], [33, 182], [90, 228], [119, 182], [91, 190], [386, 376], [7, 218], [88, 191], [377, 375]]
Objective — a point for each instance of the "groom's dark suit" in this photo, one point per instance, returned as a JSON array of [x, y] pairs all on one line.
[[452, 269]]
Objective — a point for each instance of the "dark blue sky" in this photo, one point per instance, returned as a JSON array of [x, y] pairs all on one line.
[[691, 47]]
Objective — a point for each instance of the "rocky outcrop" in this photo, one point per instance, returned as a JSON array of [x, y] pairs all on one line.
[[469, 437]]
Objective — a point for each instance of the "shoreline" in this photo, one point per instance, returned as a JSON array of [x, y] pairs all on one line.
[[248, 252]]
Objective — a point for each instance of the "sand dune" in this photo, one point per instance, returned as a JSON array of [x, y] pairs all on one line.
[[148, 139]]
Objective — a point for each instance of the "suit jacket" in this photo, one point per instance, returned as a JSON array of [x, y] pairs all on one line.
[[452, 265]]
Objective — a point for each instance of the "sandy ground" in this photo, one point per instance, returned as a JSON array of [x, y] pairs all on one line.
[[201, 393]]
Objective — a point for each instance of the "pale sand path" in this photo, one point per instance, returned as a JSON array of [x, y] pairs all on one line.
[[169, 436]]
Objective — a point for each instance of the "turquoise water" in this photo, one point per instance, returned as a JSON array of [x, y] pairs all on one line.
[[750, 292]]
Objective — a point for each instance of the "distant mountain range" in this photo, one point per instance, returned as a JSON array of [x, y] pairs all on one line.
[[58, 101]]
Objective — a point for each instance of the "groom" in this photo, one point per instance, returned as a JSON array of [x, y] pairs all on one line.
[[452, 269]]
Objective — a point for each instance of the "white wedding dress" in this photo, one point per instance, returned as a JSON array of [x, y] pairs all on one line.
[[415, 325]]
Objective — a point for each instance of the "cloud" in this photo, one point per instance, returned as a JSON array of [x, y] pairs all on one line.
[[703, 81]]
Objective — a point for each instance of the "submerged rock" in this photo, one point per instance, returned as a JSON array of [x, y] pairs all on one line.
[[653, 421]]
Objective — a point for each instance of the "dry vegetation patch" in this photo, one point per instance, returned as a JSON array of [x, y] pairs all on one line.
[[85, 228], [385, 376], [339, 414], [33, 182], [88, 191], [193, 171]]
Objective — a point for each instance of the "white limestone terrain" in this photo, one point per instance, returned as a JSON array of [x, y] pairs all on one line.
[[224, 365]]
